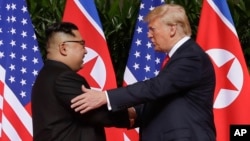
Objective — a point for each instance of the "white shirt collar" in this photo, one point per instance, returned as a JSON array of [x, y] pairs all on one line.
[[177, 45]]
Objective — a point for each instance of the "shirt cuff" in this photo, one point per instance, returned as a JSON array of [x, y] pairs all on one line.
[[108, 103]]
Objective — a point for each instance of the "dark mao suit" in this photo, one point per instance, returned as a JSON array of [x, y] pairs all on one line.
[[54, 120], [180, 98]]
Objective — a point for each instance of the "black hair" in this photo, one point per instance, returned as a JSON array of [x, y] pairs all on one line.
[[65, 27]]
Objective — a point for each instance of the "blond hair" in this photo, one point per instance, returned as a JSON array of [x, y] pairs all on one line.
[[171, 14]]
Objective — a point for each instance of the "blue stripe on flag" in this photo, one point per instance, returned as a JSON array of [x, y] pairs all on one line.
[[90, 7], [222, 6]]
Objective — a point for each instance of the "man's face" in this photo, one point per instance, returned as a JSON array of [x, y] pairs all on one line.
[[75, 50], [160, 35]]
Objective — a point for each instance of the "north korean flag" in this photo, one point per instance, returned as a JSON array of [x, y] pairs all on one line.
[[217, 36], [98, 69]]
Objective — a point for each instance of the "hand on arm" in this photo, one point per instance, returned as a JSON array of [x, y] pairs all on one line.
[[89, 100]]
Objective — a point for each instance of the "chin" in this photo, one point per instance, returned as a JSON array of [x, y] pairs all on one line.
[[78, 69], [157, 49]]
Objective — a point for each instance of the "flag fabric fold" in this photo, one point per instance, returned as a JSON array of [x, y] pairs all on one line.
[[218, 37], [143, 61], [20, 62], [98, 69]]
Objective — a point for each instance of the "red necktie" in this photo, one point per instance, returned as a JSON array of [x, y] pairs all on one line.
[[165, 61]]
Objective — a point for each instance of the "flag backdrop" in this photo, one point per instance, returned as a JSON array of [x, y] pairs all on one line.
[[143, 62], [98, 68], [20, 61], [218, 37]]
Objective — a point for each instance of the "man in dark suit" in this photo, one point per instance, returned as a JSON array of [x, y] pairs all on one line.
[[179, 100], [57, 83]]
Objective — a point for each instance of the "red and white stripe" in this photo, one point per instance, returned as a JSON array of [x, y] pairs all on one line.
[[16, 121]]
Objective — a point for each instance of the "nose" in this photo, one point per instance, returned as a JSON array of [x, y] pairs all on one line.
[[85, 50], [149, 34]]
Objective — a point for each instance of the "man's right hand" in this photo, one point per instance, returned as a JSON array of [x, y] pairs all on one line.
[[89, 100]]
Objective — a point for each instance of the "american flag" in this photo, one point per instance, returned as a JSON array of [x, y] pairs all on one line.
[[143, 61], [20, 61]]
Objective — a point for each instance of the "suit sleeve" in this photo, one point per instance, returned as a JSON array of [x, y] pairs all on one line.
[[68, 85], [180, 75]]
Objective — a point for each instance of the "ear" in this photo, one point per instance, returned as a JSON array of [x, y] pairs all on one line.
[[62, 49], [173, 30]]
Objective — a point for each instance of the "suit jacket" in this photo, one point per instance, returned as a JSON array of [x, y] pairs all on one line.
[[179, 101], [54, 120]]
